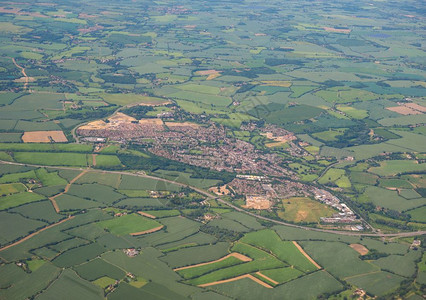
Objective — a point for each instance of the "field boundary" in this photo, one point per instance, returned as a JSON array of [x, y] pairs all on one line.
[[249, 276], [67, 187], [146, 215], [147, 231], [306, 255], [267, 278], [35, 233], [234, 254]]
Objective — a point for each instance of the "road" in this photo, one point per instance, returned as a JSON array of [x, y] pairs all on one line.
[[239, 209], [27, 79]]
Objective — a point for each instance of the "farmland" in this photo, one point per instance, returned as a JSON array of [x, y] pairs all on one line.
[[212, 149]]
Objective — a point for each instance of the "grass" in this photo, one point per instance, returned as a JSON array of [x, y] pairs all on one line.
[[52, 159], [126, 99], [49, 178], [337, 258], [201, 270], [78, 255], [128, 224], [35, 264], [261, 260], [378, 284], [69, 283], [11, 188], [284, 250], [393, 167], [104, 282], [302, 209], [105, 161], [19, 199], [99, 268], [329, 135], [283, 274]]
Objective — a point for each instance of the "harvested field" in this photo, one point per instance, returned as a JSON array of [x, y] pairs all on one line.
[[306, 255], [44, 136], [416, 107], [146, 215], [404, 110], [238, 278], [331, 29], [234, 254], [277, 83], [359, 248], [207, 72], [147, 231]]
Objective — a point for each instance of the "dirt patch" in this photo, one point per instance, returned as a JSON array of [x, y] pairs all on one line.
[[258, 202], [35, 233], [331, 29], [403, 110], [207, 72], [416, 107], [146, 215], [306, 255], [147, 231], [44, 136], [277, 144], [94, 159], [359, 248], [223, 190], [234, 254], [238, 278], [267, 278]]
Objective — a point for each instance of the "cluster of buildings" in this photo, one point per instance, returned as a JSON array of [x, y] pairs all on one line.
[[345, 214]]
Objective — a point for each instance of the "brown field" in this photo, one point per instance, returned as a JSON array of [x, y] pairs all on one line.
[[415, 106], [44, 136], [403, 110], [152, 122], [257, 202], [234, 254], [207, 72], [147, 231], [223, 190], [117, 120], [306, 255], [146, 215], [238, 278], [359, 248], [213, 76], [331, 29]]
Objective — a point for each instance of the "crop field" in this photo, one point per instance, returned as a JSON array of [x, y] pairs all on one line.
[[18, 199], [304, 210], [337, 258], [52, 159], [98, 268], [377, 283], [285, 102], [128, 224]]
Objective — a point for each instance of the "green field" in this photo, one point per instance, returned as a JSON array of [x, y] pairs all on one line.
[[128, 224]]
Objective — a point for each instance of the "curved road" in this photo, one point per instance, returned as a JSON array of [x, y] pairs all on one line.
[[207, 194]]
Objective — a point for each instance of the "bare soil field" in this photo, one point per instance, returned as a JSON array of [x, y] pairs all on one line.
[[44, 136], [359, 248], [146, 215], [404, 110], [267, 278]]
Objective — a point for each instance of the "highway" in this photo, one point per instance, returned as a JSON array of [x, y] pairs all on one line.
[[239, 209]]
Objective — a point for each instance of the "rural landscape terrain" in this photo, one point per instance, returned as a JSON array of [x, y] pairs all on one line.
[[227, 149]]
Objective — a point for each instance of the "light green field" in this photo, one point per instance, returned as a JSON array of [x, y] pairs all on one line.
[[394, 167], [300, 209], [52, 159], [128, 224]]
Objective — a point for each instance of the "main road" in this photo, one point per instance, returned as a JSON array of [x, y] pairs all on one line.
[[239, 209]]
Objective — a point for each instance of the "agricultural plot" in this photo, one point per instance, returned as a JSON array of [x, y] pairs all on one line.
[[96, 192], [299, 209], [52, 159], [19, 199], [377, 283], [14, 227], [130, 224], [98, 268], [70, 285]]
